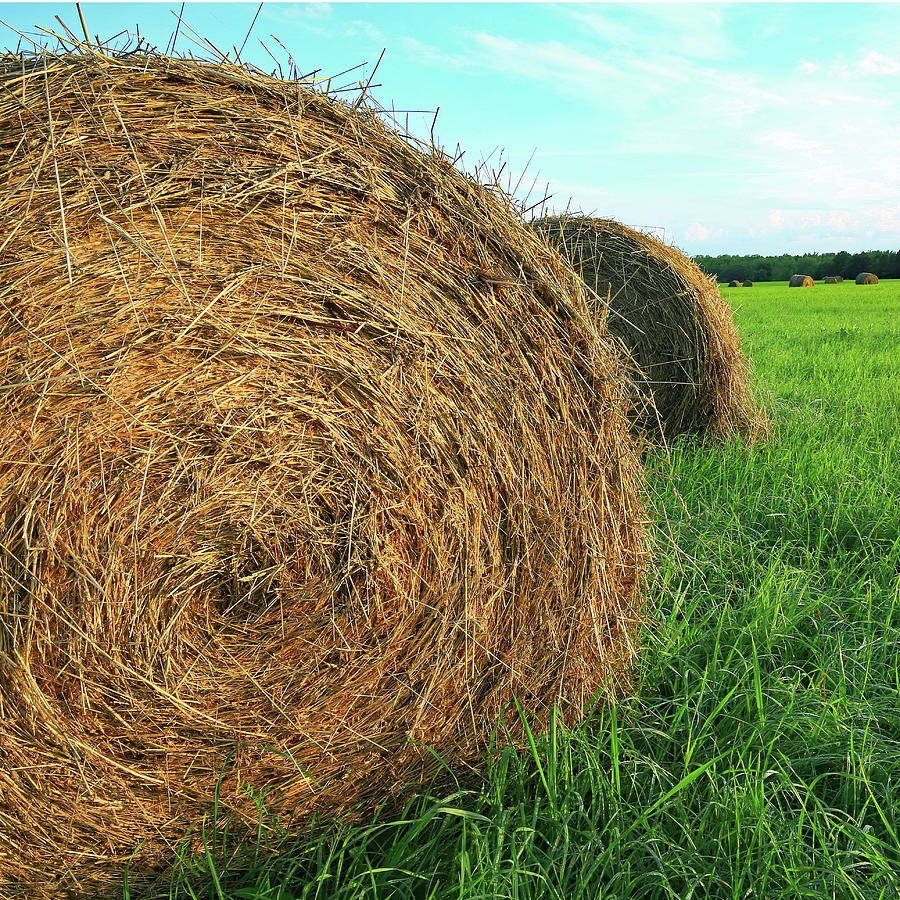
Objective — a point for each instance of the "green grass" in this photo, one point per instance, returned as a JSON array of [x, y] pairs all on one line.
[[760, 756]]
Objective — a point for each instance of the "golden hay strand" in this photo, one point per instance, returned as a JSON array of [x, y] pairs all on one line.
[[310, 454], [691, 371]]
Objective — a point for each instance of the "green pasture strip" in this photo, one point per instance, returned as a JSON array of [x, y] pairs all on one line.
[[760, 755]]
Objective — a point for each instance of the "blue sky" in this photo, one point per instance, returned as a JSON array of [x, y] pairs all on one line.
[[740, 128]]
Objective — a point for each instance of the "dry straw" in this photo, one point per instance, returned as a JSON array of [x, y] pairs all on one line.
[[675, 324], [866, 278], [311, 456], [801, 281]]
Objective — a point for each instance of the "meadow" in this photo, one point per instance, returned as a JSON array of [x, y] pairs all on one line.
[[759, 754]]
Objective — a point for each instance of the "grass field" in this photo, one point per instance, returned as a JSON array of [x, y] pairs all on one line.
[[760, 755]]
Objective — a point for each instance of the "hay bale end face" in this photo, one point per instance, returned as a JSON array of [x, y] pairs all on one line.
[[801, 281], [311, 455], [866, 278], [690, 370]]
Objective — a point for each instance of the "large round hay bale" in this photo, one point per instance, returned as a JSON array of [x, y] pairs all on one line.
[[734, 283], [691, 371], [801, 281], [748, 283], [311, 456], [866, 278], [831, 279]]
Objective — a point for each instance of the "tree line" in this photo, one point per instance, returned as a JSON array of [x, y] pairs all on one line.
[[884, 263]]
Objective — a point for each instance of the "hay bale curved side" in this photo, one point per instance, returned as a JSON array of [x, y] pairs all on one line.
[[801, 281], [311, 454], [866, 278], [691, 373]]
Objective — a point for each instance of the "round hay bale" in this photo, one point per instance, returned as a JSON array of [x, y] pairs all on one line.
[[748, 283], [312, 456], [801, 281], [831, 279], [691, 374], [866, 278], [734, 283]]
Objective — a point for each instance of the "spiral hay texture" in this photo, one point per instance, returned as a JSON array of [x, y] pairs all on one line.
[[691, 371], [310, 455]]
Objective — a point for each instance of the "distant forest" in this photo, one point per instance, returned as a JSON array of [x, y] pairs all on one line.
[[883, 263]]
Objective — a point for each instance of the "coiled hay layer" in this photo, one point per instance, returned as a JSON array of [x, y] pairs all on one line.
[[310, 455], [692, 373]]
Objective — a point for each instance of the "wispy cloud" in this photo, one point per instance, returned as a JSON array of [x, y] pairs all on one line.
[[705, 119], [551, 62], [791, 142], [702, 35]]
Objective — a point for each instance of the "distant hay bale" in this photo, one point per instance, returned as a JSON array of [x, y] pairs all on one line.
[[801, 281], [734, 283], [311, 456], [866, 278], [691, 372], [748, 283], [832, 279]]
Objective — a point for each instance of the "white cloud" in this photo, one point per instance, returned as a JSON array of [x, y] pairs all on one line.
[[811, 221], [875, 63], [839, 220], [889, 219], [697, 232], [807, 67], [844, 221]]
